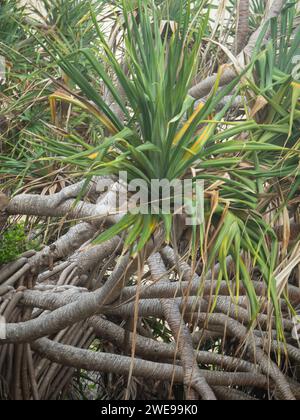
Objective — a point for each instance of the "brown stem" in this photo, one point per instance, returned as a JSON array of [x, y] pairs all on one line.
[[243, 28], [181, 334]]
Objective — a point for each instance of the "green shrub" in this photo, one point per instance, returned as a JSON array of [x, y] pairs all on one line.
[[13, 242]]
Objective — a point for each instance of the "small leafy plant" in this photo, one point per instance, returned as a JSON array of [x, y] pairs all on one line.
[[13, 243]]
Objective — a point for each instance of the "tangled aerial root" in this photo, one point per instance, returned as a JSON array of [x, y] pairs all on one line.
[[58, 302]]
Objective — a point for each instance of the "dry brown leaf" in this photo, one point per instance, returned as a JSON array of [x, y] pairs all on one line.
[[4, 200], [260, 104]]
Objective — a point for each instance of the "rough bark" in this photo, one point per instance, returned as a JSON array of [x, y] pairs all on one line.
[[243, 29], [192, 375]]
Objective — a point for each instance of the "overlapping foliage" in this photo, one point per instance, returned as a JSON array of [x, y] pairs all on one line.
[[99, 88], [153, 140]]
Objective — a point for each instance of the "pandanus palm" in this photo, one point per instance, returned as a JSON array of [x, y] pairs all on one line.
[[134, 88], [161, 134]]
